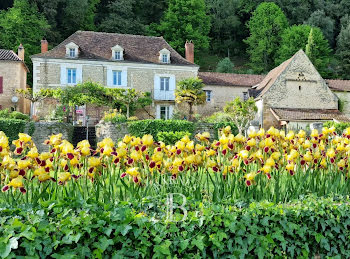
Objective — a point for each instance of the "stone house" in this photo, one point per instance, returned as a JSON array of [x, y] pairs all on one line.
[[13, 76], [293, 94], [148, 64]]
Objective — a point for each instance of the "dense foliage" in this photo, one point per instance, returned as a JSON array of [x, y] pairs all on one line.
[[73, 228], [225, 66], [152, 127], [12, 127], [171, 137], [339, 126]]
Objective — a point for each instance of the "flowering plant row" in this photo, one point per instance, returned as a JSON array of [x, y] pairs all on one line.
[[265, 165]]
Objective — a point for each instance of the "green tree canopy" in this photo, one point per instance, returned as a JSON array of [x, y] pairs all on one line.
[[325, 23], [266, 26], [184, 20], [225, 66], [241, 112], [190, 91], [22, 24], [296, 37], [343, 50]]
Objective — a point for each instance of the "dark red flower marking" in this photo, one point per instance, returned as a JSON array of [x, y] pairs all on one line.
[[23, 190], [266, 149], [224, 151], [248, 183], [116, 161], [152, 164], [5, 188], [247, 148], [143, 148], [178, 151], [22, 172], [122, 175], [70, 156]]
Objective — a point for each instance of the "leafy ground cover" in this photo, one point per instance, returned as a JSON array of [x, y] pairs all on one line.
[[72, 228]]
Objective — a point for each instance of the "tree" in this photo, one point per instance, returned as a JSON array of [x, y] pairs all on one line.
[[190, 91], [225, 33], [225, 66], [78, 15], [241, 112], [35, 97], [132, 99], [122, 19], [326, 24], [266, 26], [22, 24], [184, 20], [296, 37], [343, 50]]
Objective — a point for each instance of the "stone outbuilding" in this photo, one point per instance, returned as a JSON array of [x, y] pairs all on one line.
[[13, 76]]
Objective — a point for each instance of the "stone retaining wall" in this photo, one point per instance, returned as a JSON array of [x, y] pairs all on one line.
[[45, 129], [118, 131]]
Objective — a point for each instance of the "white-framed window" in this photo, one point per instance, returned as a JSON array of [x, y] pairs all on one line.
[[164, 112], [117, 78], [165, 58], [164, 83], [71, 76], [72, 53], [117, 55], [208, 95]]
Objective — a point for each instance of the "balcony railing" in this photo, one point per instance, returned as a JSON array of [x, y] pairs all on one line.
[[164, 95]]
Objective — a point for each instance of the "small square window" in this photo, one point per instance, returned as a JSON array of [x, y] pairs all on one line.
[[117, 55], [117, 78], [165, 58], [208, 95], [164, 83], [72, 53]]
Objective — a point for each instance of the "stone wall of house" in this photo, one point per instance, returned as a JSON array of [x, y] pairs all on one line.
[[269, 119], [14, 77], [118, 131], [220, 95], [301, 86], [43, 130]]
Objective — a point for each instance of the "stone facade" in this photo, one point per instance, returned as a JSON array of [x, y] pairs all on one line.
[[344, 101], [14, 76]]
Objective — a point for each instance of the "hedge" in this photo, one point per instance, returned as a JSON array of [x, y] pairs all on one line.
[[142, 127], [171, 137], [73, 229], [11, 127]]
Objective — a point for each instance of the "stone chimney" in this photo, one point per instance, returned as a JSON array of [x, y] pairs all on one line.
[[189, 49], [44, 46], [21, 51]]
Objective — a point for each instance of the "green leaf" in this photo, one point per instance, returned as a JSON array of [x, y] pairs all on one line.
[[12, 244], [163, 248]]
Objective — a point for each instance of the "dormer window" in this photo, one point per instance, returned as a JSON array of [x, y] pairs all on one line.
[[117, 53], [164, 56], [72, 53], [72, 50]]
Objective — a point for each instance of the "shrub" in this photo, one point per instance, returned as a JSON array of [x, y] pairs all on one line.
[[114, 116], [73, 229], [339, 126], [171, 137], [225, 66], [143, 127], [6, 114], [11, 127], [219, 125]]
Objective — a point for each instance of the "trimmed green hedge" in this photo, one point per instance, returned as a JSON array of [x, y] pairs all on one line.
[[12, 127], [72, 229], [171, 137], [142, 127]]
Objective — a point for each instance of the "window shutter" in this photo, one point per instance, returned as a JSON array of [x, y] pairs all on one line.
[[156, 88], [125, 78], [79, 74], [171, 111], [158, 112], [109, 77], [172, 86], [1, 85], [63, 75]]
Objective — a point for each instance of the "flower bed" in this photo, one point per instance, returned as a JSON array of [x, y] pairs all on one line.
[[266, 166]]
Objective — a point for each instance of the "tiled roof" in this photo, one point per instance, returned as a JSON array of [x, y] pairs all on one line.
[[285, 114], [97, 46], [339, 85], [8, 55], [226, 79]]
